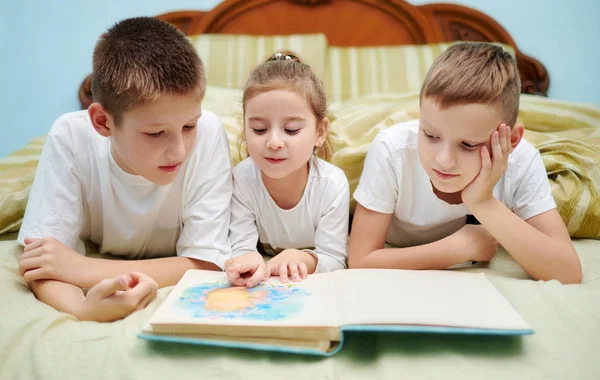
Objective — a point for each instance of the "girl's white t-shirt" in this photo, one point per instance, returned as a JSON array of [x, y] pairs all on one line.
[[317, 224]]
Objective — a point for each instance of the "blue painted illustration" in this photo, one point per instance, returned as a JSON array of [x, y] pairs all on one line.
[[269, 302]]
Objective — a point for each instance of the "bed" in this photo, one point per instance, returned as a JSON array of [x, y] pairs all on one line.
[[371, 55]]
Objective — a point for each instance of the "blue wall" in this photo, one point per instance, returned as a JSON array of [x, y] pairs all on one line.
[[46, 50]]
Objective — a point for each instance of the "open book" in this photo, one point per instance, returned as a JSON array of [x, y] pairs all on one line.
[[312, 316]]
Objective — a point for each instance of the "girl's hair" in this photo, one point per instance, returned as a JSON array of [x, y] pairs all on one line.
[[285, 70]]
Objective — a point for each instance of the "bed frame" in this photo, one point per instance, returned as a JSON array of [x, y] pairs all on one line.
[[354, 23]]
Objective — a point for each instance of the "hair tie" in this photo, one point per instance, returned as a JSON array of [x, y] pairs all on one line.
[[281, 57]]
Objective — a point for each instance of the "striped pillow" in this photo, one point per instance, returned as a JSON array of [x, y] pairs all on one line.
[[228, 59], [357, 71]]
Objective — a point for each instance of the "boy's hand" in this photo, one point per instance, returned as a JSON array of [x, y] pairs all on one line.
[[474, 242], [492, 167], [291, 263], [115, 298], [49, 259], [246, 270]]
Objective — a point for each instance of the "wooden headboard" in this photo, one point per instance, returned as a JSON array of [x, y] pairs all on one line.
[[354, 23]]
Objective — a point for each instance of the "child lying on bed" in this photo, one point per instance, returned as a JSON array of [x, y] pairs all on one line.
[[465, 155], [144, 172], [286, 195]]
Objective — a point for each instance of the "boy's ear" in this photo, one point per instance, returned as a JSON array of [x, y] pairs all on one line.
[[101, 119], [322, 131], [516, 134]]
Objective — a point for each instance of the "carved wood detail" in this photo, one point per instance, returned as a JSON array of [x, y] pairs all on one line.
[[312, 3]]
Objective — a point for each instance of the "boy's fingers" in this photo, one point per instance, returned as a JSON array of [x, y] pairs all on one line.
[[33, 244], [29, 264], [508, 141], [109, 286], [495, 146], [485, 159], [503, 134], [141, 290], [27, 254], [33, 275], [144, 302]]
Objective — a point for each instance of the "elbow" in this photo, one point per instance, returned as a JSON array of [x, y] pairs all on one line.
[[358, 260], [571, 278], [353, 264], [570, 273], [575, 276]]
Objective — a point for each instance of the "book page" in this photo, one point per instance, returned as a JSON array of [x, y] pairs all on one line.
[[206, 298], [321, 345], [437, 298]]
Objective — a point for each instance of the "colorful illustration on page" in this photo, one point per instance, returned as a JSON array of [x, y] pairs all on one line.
[[220, 301]]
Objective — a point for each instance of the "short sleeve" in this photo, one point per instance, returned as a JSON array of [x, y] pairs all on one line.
[[55, 205], [207, 198], [331, 235], [532, 195], [378, 189]]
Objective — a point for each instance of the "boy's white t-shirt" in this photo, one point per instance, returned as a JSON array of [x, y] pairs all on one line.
[[393, 181], [318, 224], [79, 192]]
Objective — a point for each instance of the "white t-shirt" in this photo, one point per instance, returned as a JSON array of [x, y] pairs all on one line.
[[79, 192], [318, 224], [394, 182]]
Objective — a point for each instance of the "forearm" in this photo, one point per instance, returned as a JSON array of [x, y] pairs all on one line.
[[440, 254], [62, 296], [543, 257], [166, 271]]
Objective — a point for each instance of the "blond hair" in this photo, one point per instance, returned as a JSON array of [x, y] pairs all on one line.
[[285, 70], [475, 72], [139, 59]]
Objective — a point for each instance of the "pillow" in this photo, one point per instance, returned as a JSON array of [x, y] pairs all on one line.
[[228, 59], [357, 71]]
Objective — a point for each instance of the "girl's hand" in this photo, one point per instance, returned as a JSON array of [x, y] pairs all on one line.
[[246, 270], [291, 263]]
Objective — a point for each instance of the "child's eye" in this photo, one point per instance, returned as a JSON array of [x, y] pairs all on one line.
[[292, 131], [189, 127], [157, 134], [430, 137], [259, 131], [470, 146]]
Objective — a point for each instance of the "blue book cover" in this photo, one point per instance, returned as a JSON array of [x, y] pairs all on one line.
[[312, 316]]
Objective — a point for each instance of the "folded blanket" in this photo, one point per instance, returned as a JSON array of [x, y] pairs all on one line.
[[16, 177], [567, 135]]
